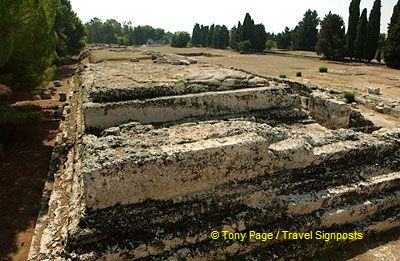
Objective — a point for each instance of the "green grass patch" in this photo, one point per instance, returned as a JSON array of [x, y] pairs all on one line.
[[349, 96], [13, 117], [323, 69], [283, 76]]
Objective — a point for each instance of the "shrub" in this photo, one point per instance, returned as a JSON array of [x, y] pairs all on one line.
[[13, 117], [298, 74], [283, 76], [244, 47], [323, 69], [349, 96], [180, 39], [270, 44]]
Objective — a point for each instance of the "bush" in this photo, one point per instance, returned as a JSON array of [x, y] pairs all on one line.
[[270, 44], [180, 39], [349, 96], [244, 47], [283, 76], [323, 69], [298, 74], [13, 117]]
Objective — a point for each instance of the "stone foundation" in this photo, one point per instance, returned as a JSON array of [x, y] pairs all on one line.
[[183, 150]]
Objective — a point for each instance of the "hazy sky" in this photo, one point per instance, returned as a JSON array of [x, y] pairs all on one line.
[[180, 15]]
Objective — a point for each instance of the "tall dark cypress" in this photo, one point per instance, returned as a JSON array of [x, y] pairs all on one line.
[[360, 43], [354, 17], [373, 30], [392, 47], [196, 35]]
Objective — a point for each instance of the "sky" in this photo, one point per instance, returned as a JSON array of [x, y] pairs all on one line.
[[180, 15]]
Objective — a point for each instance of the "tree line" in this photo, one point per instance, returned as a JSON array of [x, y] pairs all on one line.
[[113, 32], [215, 36], [34, 34], [362, 41]]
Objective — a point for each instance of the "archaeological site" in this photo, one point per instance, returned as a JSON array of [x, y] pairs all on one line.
[[159, 150]]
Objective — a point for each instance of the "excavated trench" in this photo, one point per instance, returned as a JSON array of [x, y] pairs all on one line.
[[167, 153]]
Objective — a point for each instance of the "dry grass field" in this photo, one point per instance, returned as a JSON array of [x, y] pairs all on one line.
[[340, 75]]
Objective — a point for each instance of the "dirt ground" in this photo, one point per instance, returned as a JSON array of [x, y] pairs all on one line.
[[24, 165], [355, 76]]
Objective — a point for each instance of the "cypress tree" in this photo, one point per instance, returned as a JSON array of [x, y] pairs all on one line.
[[260, 38], [373, 30], [392, 47], [354, 17], [247, 28], [196, 35], [360, 43], [233, 38], [210, 37]]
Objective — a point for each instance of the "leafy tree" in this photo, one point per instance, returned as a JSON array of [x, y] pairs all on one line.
[[270, 44], [360, 44], [244, 47], [373, 31], [331, 38], [70, 30], [284, 39], [392, 46], [180, 39], [354, 17], [306, 32], [112, 32], [95, 31]]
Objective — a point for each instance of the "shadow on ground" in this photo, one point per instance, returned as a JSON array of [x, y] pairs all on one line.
[[24, 165]]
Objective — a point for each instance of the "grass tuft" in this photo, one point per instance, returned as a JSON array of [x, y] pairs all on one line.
[[323, 69], [349, 96]]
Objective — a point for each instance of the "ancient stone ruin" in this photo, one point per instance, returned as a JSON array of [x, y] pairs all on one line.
[[157, 153]]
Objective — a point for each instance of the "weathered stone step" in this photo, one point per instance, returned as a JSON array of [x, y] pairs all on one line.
[[176, 108], [373, 215], [143, 164], [313, 201]]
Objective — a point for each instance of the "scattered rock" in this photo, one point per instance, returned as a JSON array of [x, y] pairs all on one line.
[[63, 97], [46, 95], [58, 113], [180, 62], [374, 90], [379, 109], [334, 91], [134, 60], [114, 131], [57, 83]]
